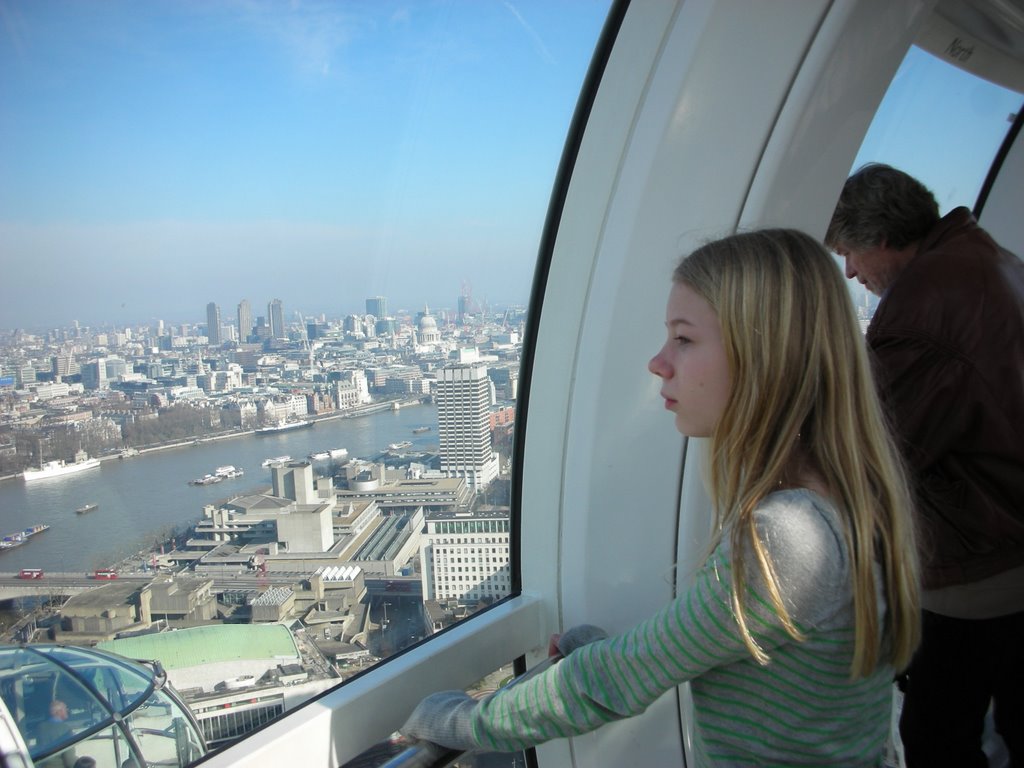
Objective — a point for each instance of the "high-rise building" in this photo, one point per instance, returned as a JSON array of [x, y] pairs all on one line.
[[94, 374], [64, 364], [463, 404], [244, 320], [24, 375], [377, 306], [213, 324], [115, 367], [275, 318]]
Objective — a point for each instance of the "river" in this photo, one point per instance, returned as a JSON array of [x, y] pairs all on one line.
[[142, 496]]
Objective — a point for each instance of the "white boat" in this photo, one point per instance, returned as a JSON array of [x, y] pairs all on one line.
[[320, 456], [12, 540], [59, 469], [400, 445], [283, 426], [276, 460], [228, 472], [338, 453], [206, 480]]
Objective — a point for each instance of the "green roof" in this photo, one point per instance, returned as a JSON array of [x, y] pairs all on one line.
[[209, 645]]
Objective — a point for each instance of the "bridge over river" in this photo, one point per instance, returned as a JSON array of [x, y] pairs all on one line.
[[51, 584]]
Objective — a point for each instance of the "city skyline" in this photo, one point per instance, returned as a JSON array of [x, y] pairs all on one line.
[[256, 309], [164, 156]]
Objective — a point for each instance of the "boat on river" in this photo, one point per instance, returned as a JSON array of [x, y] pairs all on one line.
[[283, 426], [87, 509], [12, 540], [320, 456], [276, 460], [207, 479], [60, 468], [227, 472], [420, 430], [338, 453]]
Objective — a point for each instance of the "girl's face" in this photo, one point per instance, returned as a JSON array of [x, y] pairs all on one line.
[[694, 372]]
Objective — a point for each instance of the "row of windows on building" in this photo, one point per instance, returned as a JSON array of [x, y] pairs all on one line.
[[468, 526], [495, 584], [475, 570]]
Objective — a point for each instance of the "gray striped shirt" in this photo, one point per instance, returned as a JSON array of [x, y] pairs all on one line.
[[799, 709]]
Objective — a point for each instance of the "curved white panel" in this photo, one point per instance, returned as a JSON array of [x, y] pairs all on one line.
[[711, 114]]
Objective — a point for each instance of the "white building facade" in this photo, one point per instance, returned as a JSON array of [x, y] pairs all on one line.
[[464, 395], [464, 556]]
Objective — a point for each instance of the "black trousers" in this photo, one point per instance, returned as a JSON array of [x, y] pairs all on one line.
[[961, 667]]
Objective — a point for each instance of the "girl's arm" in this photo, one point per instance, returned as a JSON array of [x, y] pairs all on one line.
[[621, 676]]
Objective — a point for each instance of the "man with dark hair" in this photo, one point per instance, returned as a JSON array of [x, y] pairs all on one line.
[[948, 346]]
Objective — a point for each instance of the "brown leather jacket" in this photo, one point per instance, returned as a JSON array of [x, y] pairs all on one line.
[[948, 342]]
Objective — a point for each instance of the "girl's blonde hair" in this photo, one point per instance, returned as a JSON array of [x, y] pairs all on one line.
[[803, 397]]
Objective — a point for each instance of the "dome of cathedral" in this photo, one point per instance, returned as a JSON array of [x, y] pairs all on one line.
[[427, 324]]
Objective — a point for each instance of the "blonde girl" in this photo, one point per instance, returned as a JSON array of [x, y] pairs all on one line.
[[808, 602]]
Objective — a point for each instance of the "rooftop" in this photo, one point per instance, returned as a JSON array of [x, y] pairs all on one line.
[[208, 645]]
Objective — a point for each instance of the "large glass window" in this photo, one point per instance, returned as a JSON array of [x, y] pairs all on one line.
[[266, 268], [943, 126]]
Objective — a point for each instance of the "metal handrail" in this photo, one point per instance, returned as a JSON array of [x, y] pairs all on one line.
[[427, 755]]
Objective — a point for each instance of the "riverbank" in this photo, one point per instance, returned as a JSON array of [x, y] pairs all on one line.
[[350, 413], [143, 495]]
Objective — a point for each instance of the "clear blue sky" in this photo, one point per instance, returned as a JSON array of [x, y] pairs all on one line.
[[941, 125], [162, 154], [156, 155]]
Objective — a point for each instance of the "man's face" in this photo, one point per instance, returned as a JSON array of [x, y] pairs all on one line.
[[875, 268]]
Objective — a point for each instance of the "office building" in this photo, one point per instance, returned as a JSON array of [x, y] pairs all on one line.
[[377, 306], [64, 364], [24, 375], [463, 405], [94, 374], [275, 318], [213, 334], [464, 556], [244, 320]]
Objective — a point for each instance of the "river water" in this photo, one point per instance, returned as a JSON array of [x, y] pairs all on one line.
[[144, 495]]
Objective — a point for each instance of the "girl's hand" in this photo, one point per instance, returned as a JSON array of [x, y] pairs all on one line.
[[576, 637], [553, 651]]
